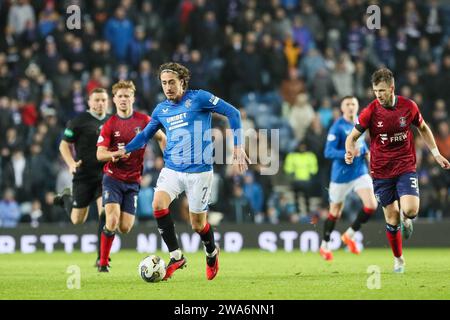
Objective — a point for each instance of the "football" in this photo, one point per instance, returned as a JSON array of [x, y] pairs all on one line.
[[152, 269]]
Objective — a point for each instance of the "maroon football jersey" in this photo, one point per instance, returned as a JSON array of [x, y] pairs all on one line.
[[117, 132], [392, 151]]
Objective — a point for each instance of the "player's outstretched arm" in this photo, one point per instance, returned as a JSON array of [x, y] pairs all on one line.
[[234, 118], [210, 102], [142, 137], [215, 104], [64, 149], [240, 158], [427, 135], [103, 155], [350, 145]]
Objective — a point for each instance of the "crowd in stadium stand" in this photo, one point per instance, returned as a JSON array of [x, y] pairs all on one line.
[[284, 63]]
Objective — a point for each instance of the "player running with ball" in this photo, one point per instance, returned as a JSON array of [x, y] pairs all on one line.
[[393, 158], [186, 117]]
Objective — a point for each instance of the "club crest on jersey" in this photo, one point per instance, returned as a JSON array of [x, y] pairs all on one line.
[[137, 130], [116, 133], [402, 121], [380, 124], [188, 103]]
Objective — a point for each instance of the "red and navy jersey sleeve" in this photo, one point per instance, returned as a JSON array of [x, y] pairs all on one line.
[[416, 115], [364, 119], [104, 139]]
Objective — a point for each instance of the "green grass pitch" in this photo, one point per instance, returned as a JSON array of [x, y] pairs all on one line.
[[249, 274]]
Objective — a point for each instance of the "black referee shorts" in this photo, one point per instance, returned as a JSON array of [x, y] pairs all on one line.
[[85, 191]]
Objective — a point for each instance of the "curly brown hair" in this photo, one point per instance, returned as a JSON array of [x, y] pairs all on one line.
[[383, 75], [123, 84], [181, 71]]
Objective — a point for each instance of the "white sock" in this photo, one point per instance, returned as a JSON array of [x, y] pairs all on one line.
[[350, 232], [176, 254], [324, 244], [400, 260]]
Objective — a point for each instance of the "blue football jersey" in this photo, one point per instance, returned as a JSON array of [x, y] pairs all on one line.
[[187, 124], [335, 150]]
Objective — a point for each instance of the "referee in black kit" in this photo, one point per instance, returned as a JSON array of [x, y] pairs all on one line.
[[82, 132]]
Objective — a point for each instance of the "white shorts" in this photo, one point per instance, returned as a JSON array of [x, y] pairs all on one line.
[[196, 185], [338, 191]]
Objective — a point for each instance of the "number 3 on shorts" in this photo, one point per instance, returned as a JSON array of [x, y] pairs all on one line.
[[413, 182]]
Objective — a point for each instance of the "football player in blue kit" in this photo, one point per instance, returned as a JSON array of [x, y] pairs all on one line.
[[186, 117], [346, 178]]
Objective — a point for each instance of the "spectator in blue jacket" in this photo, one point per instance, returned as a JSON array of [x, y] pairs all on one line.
[[9, 210], [119, 32]]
